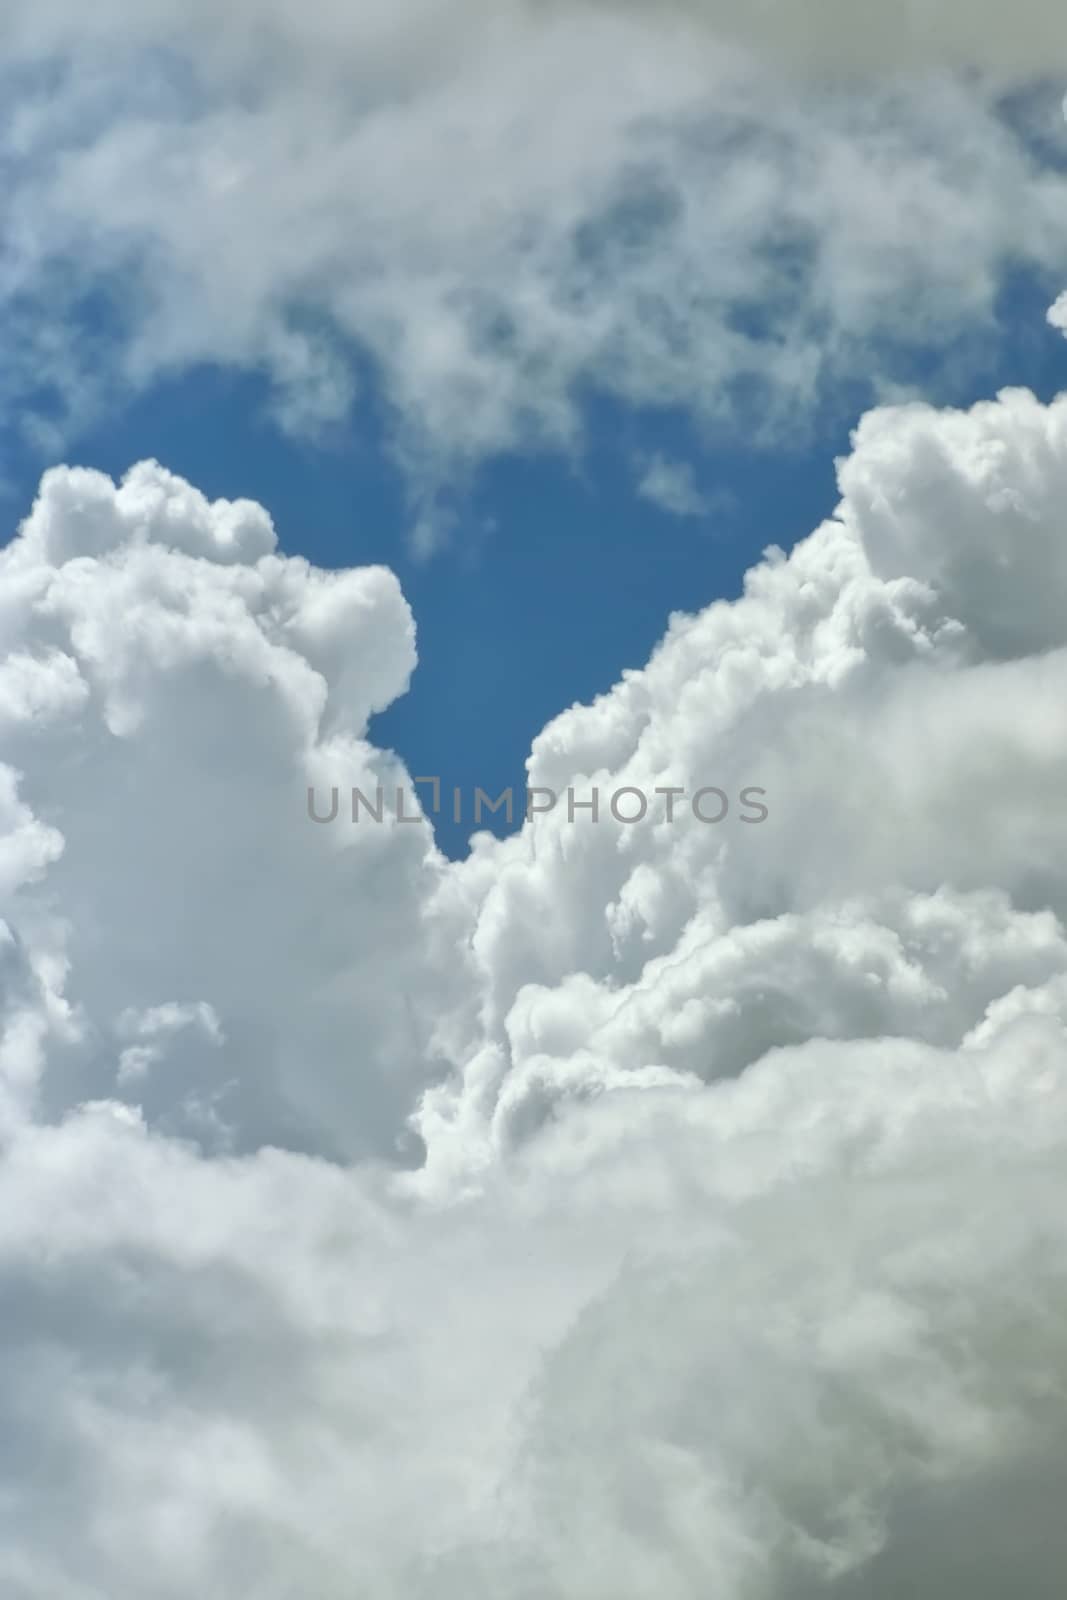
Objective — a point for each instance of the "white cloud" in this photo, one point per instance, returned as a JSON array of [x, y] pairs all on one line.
[[1057, 313], [672, 486], [736, 1264], [502, 207], [197, 664]]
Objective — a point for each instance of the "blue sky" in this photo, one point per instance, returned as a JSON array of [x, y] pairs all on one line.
[[556, 574]]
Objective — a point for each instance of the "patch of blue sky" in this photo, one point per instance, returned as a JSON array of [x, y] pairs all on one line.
[[557, 574]]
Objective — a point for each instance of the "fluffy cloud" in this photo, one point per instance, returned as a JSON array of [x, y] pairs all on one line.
[[637, 1210], [485, 212], [163, 660]]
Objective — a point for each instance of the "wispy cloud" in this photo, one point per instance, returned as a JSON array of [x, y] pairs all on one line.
[[671, 485], [494, 210]]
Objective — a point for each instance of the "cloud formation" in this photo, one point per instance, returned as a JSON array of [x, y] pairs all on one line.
[[641, 1210], [481, 214]]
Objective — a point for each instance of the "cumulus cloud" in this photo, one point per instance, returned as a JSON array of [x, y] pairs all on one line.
[[484, 213], [163, 658], [641, 1209]]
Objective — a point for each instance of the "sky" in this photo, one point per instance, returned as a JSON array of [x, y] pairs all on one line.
[[504, 644], [580, 397]]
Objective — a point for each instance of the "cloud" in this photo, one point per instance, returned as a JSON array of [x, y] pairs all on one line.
[[647, 1210], [672, 486], [868, 36], [481, 215], [168, 660]]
